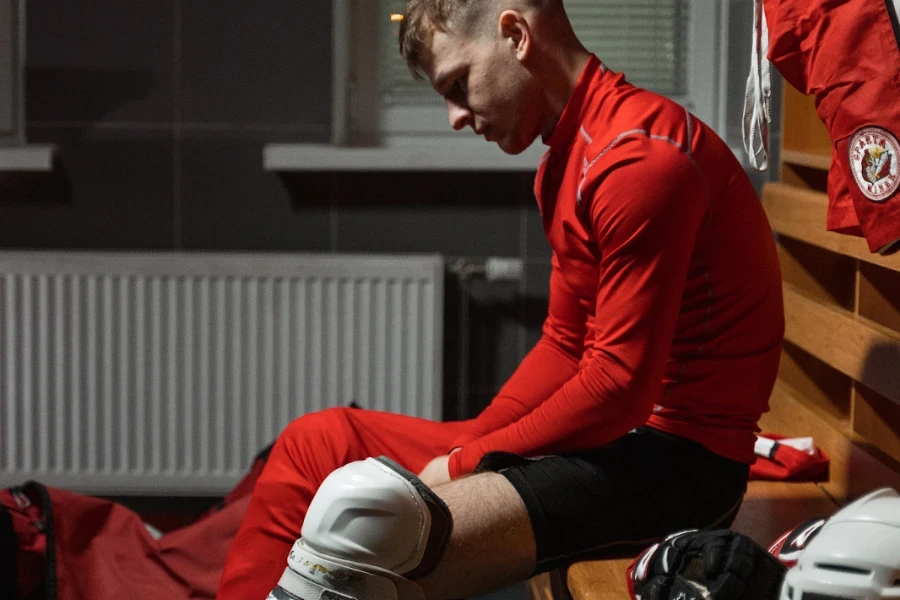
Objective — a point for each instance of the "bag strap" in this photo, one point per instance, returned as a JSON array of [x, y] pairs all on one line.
[[32, 488]]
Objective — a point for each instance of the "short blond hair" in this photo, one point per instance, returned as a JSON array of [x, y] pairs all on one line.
[[422, 17], [464, 17]]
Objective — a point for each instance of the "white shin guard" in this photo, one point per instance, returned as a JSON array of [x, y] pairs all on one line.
[[311, 576], [370, 529]]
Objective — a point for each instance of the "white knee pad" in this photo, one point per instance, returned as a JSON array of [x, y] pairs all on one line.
[[370, 529]]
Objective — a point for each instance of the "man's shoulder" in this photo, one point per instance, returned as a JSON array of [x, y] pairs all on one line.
[[647, 159], [635, 118], [635, 150]]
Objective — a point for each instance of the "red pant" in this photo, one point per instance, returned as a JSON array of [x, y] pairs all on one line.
[[306, 452]]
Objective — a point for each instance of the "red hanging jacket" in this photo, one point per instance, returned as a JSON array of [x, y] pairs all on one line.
[[847, 55]]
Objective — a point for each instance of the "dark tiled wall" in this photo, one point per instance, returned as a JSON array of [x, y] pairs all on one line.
[[161, 108]]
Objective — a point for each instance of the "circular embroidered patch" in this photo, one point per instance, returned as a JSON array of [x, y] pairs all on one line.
[[873, 159]]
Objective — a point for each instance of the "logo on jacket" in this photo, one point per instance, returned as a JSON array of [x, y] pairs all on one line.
[[873, 160]]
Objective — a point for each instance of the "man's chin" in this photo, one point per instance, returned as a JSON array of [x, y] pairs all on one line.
[[516, 143], [511, 148]]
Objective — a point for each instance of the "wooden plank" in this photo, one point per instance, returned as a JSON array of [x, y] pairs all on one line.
[[802, 130], [851, 346], [804, 177], [879, 296], [800, 214], [538, 587], [824, 276], [826, 389], [599, 579], [854, 471], [807, 159], [878, 420], [772, 507], [549, 586]]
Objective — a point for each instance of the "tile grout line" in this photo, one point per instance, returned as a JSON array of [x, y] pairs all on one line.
[[183, 125], [178, 242]]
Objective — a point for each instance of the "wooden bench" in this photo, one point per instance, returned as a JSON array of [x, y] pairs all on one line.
[[839, 379], [769, 508]]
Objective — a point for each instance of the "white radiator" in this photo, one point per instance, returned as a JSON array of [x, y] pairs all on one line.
[[165, 373]]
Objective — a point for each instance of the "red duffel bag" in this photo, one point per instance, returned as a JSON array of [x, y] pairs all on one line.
[[59, 545]]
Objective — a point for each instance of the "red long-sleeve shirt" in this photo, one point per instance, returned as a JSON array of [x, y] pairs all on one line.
[[665, 293]]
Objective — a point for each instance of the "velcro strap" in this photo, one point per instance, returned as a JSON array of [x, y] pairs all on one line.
[[441, 521]]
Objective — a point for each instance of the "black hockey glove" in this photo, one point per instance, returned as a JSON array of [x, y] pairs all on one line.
[[706, 565]]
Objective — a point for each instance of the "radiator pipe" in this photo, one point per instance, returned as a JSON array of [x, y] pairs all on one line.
[[464, 269]]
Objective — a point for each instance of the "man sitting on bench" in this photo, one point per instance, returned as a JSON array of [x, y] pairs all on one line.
[[632, 417]]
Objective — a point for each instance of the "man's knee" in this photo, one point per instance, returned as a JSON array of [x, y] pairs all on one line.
[[327, 431], [378, 513], [316, 421], [372, 525]]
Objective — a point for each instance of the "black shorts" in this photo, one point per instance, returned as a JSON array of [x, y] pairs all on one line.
[[621, 498]]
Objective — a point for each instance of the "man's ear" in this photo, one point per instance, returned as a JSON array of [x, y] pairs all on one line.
[[516, 32]]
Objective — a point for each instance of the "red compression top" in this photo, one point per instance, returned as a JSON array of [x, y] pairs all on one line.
[[665, 292]]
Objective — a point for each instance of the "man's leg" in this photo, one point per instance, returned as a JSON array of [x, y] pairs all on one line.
[[375, 532], [306, 452], [492, 544]]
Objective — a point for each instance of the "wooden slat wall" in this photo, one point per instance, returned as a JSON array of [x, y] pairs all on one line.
[[842, 304], [845, 342], [799, 213]]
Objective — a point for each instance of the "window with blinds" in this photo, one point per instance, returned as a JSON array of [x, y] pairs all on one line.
[[645, 39]]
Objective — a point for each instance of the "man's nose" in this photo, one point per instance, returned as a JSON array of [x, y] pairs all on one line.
[[460, 116]]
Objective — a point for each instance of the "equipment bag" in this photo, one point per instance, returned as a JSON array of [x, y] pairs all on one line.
[[59, 545]]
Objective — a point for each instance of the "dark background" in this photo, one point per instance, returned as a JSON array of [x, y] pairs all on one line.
[[160, 110]]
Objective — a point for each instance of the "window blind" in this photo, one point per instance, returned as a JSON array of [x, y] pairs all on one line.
[[645, 39]]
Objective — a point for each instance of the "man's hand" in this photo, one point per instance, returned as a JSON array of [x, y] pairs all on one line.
[[437, 470]]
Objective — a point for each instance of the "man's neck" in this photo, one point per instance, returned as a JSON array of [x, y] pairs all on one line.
[[561, 73]]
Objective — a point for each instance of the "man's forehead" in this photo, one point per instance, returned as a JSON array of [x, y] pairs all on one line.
[[443, 55]]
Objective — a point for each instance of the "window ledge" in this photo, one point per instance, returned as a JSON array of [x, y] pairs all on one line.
[[449, 155], [28, 157]]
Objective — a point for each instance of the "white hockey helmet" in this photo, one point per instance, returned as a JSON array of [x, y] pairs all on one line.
[[854, 556]]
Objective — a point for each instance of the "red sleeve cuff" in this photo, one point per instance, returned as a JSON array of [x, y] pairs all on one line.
[[461, 441], [453, 466], [464, 462]]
